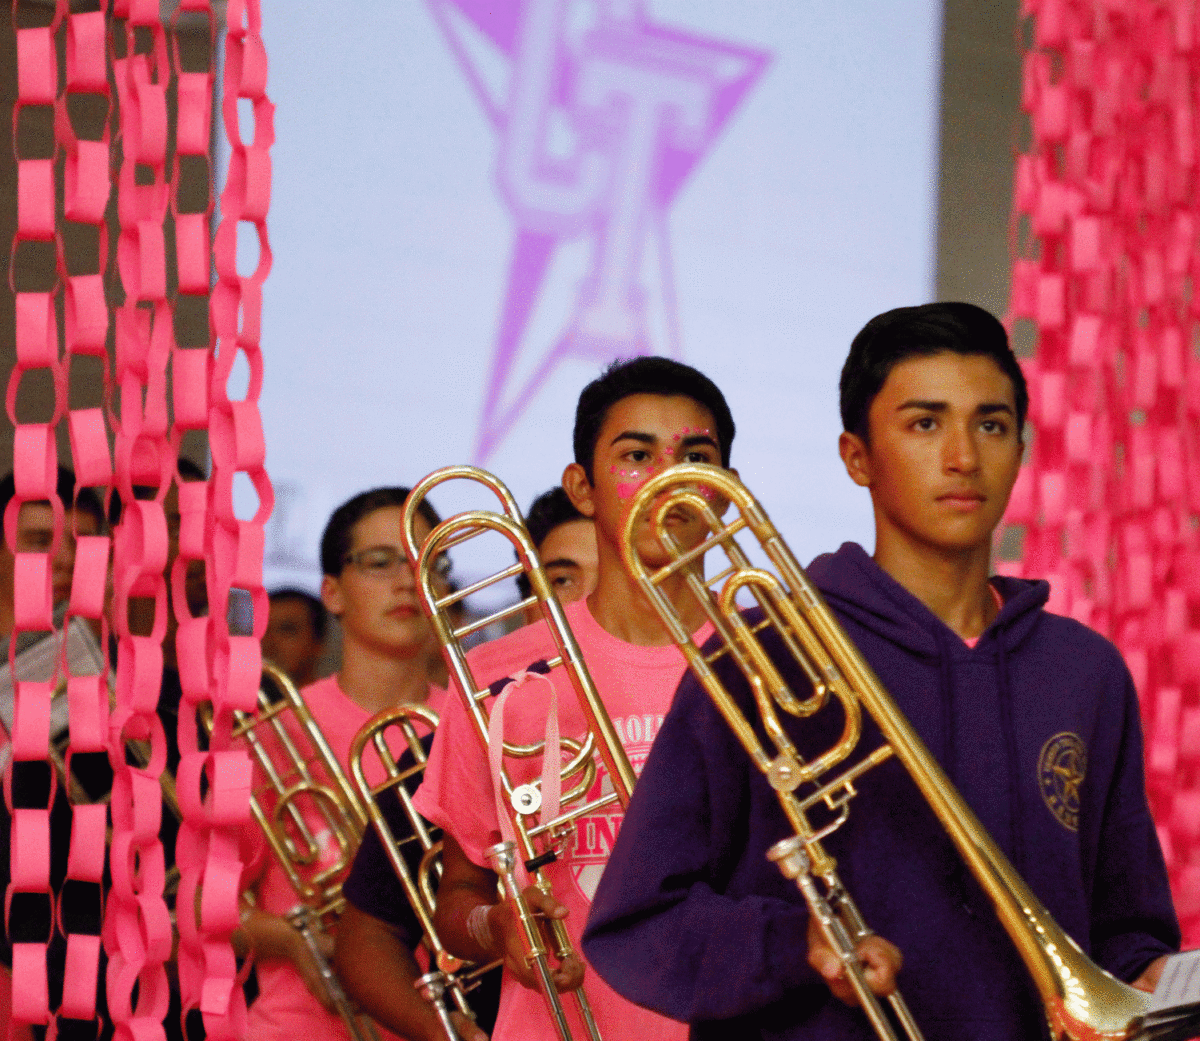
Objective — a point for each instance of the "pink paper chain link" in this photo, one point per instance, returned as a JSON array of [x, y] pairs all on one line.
[[1106, 216]]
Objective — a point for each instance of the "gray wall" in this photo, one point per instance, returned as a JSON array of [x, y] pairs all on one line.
[[981, 81]]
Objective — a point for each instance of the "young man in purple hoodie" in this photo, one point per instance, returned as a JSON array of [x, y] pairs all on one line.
[[1033, 716]]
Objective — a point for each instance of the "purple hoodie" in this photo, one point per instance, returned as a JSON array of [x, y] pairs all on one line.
[[691, 920]]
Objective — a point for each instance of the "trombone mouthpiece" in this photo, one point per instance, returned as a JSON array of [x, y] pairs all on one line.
[[790, 857], [502, 857]]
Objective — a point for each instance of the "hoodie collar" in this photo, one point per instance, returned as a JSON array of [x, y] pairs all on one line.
[[855, 585]]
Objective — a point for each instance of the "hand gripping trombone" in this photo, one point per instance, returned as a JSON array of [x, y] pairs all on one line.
[[401, 774], [1081, 1001], [536, 842]]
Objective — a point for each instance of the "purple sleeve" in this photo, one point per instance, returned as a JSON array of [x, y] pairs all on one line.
[[372, 885], [663, 931], [1133, 918]]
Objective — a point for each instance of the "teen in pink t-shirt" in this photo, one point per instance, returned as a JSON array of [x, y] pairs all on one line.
[[636, 685], [635, 420], [386, 651]]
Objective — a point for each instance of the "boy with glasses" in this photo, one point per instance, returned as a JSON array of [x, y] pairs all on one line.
[[369, 587]]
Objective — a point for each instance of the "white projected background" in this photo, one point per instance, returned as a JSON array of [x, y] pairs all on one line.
[[812, 209]]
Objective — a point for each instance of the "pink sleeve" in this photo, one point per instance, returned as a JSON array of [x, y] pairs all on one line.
[[456, 793]]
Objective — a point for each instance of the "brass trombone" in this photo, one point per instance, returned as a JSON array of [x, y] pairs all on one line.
[[1081, 1001], [449, 974], [304, 783], [537, 841]]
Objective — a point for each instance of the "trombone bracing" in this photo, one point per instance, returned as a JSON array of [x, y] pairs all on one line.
[[311, 804], [1081, 1000], [536, 841], [448, 974]]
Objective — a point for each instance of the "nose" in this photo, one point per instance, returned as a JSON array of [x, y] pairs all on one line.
[[404, 576], [961, 451]]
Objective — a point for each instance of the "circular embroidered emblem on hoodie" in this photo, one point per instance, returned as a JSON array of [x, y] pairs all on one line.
[[1061, 769]]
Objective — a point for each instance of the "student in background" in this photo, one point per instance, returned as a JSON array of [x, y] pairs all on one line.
[[35, 533], [566, 543], [295, 636]]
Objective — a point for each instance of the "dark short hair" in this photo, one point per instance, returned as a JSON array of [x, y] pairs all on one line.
[[922, 331], [87, 500], [335, 542], [546, 512], [316, 609], [651, 375]]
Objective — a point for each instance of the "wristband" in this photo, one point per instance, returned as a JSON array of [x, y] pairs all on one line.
[[479, 927]]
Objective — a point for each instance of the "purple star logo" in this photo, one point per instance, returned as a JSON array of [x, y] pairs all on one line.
[[602, 116]]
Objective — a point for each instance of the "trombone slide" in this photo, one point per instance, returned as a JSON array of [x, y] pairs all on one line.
[[361, 1029]]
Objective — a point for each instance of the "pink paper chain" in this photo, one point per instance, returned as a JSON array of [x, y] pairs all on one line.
[[137, 926], [85, 197], [214, 664], [1106, 214], [35, 478]]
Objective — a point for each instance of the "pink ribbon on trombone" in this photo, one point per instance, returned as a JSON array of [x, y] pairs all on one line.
[[551, 757]]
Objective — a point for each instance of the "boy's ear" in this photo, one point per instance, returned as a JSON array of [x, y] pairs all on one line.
[[856, 457], [579, 489], [331, 595]]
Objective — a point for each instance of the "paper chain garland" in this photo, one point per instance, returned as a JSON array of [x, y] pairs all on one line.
[[1106, 213], [129, 49], [34, 469]]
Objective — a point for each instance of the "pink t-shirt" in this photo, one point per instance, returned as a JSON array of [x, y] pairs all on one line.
[[284, 1009], [636, 685], [971, 641]]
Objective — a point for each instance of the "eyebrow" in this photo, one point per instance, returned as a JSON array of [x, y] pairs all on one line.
[[700, 439], [560, 562], [650, 439], [634, 435], [986, 408]]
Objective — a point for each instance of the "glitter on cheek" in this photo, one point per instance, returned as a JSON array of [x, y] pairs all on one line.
[[636, 478]]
